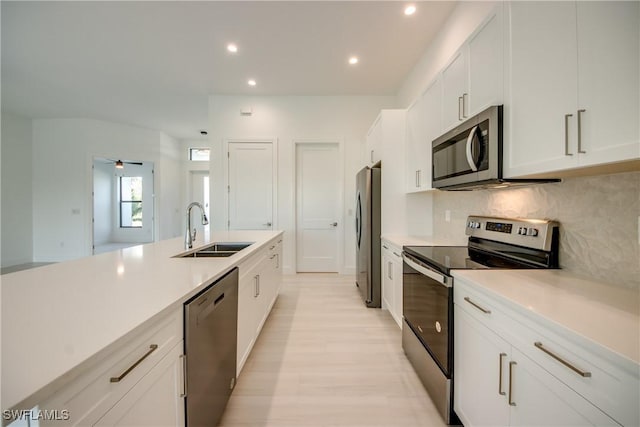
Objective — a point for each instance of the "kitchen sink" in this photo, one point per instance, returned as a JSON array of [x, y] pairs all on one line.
[[217, 250]]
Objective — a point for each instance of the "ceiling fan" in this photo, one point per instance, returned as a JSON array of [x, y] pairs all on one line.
[[120, 164]]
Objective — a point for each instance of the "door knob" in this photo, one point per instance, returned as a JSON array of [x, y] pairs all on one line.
[[334, 224]]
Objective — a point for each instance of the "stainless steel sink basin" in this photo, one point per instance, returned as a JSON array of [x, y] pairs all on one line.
[[217, 250]]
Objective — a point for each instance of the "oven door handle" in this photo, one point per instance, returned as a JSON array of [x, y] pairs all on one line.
[[423, 269]]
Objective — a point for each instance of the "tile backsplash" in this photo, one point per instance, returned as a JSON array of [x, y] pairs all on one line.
[[599, 220]]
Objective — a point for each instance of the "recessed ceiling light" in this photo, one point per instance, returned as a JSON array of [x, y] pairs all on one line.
[[353, 60], [251, 82], [410, 10], [232, 48]]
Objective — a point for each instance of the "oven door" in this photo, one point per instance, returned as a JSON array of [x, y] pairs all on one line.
[[428, 309]]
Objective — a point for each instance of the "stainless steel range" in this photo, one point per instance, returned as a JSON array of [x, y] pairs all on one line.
[[427, 335]]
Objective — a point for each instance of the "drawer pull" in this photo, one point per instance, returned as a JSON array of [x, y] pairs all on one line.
[[397, 254], [482, 309], [500, 392], [152, 348], [580, 372], [511, 402]]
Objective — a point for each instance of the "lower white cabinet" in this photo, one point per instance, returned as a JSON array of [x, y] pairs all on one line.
[[258, 287], [511, 370], [496, 385], [139, 382], [156, 400], [392, 280]]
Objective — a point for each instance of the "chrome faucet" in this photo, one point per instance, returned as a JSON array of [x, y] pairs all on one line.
[[189, 238]]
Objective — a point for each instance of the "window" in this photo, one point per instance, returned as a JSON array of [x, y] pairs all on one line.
[[130, 202], [199, 154]]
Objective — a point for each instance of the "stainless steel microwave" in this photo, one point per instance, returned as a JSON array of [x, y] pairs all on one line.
[[470, 154], [469, 157]]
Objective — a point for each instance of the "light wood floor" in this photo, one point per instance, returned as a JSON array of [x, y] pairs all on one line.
[[323, 359]]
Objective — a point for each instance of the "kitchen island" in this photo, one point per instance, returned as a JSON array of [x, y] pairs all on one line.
[[60, 319]]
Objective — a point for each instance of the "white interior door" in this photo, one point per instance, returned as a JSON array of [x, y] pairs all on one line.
[[318, 198], [250, 186], [199, 192]]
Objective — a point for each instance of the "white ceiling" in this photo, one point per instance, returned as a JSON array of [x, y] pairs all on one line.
[[153, 64]]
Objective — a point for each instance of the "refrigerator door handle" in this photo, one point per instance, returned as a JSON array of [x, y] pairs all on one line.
[[359, 220]]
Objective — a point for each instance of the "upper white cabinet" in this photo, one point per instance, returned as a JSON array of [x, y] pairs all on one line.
[[473, 79], [455, 89], [424, 124], [573, 84], [373, 149]]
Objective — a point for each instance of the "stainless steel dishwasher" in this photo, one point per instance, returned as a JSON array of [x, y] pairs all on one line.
[[211, 320]]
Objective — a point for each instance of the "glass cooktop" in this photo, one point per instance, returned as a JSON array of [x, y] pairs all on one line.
[[444, 258]]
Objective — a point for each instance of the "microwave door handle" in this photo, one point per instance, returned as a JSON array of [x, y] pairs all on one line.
[[470, 160]]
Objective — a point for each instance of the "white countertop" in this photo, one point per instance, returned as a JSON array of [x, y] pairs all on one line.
[[57, 316], [408, 240], [606, 315]]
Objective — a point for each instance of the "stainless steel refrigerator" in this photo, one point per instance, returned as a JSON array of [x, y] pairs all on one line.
[[368, 235]]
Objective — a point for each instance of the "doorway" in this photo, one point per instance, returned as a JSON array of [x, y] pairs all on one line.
[[318, 207], [250, 186], [123, 204]]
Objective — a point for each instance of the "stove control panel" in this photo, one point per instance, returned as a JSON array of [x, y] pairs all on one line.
[[533, 233]]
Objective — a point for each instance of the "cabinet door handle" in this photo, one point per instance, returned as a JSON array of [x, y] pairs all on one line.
[[511, 402], [580, 131], [390, 270], [417, 185], [580, 372], [183, 358], [397, 254], [371, 156], [464, 104], [482, 309], [152, 348], [460, 106], [419, 178], [500, 392], [385, 246], [566, 134], [256, 286]]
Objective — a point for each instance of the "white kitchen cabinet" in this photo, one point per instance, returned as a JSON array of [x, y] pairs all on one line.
[[150, 391], [473, 78], [503, 376], [156, 400], [373, 146], [455, 89], [258, 286], [572, 85], [424, 124], [392, 280]]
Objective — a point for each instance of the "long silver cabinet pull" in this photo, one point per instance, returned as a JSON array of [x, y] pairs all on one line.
[[464, 103], [580, 131], [397, 254], [256, 291], [183, 358], [482, 309], [500, 392], [580, 372], [566, 134], [371, 156], [417, 184], [511, 402], [385, 246], [460, 101], [152, 348]]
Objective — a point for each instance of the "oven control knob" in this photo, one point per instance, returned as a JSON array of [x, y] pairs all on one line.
[[476, 225], [532, 232], [522, 231]]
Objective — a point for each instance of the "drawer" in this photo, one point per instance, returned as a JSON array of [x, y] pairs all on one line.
[[95, 390], [612, 387]]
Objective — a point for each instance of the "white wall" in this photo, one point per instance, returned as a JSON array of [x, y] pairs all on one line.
[[103, 198], [17, 205], [289, 118], [63, 151]]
